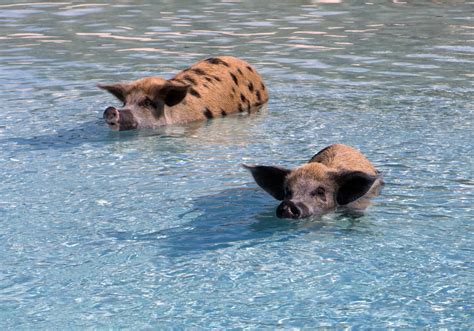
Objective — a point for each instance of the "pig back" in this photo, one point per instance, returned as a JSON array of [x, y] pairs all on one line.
[[343, 157], [220, 86]]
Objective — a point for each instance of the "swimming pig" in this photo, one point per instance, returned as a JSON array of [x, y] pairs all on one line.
[[210, 88], [338, 175]]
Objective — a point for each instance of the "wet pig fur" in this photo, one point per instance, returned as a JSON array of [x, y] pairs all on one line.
[[210, 88], [337, 176]]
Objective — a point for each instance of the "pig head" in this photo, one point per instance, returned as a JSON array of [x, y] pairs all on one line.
[[337, 176], [144, 102]]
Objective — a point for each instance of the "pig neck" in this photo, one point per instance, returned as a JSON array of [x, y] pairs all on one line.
[[179, 113]]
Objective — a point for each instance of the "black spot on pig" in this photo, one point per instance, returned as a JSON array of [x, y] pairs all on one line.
[[208, 113], [194, 93], [215, 60], [190, 79], [234, 78], [250, 86], [198, 71]]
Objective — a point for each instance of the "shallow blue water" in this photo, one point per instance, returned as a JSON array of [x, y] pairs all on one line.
[[164, 228]]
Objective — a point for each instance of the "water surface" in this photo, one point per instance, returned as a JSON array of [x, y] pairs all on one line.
[[163, 228]]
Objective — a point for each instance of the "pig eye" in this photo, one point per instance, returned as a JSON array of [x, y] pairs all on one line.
[[147, 103], [320, 192], [287, 192]]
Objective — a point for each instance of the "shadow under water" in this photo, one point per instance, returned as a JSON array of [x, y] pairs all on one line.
[[97, 133], [94, 132], [237, 216]]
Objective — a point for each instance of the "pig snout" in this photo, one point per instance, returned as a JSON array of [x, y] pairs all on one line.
[[112, 118], [120, 120], [289, 209]]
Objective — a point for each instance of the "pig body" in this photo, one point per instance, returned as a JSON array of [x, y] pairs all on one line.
[[338, 175], [210, 88]]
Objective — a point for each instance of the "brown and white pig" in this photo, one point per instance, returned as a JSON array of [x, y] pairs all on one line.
[[210, 88], [338, 175]]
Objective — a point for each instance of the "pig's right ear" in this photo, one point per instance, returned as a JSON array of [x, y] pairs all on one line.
[[271, 179], [173, 92], [352, 185], [119, 90]]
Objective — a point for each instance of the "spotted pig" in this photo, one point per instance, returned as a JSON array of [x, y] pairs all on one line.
[[210, 88], [338, 175]]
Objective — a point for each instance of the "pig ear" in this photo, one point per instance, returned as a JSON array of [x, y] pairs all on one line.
[[352, 185], [119, 90], [271, 179], [173, 93]]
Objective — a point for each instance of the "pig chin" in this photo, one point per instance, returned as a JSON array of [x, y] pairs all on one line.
[[120, 120]]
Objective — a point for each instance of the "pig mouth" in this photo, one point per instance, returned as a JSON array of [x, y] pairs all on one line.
[[112, 118], [290, 209], [119, 120]]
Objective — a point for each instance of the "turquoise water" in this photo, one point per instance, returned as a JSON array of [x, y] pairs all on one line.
[[164, 229]]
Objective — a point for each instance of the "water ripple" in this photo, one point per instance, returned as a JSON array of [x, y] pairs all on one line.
[[163, 227]]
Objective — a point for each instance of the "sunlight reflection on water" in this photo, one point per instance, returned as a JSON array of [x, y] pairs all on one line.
[[164, 228]]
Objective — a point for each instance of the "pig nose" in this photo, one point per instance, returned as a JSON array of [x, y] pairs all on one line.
[[288, 209], [112, 117]]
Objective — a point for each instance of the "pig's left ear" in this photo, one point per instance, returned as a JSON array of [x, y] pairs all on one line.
[[352, 185], [271, 179], [119, 90], [173, 92]]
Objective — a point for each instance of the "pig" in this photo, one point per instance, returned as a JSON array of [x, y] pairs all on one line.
[[214, 87], [337, 176]]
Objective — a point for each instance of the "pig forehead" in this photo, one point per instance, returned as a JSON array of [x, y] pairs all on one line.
[[145, 85], [147, 82], [135, 96], [310, 173]]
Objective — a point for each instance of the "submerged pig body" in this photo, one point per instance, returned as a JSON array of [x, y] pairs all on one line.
[[338, 175], [210, 88]]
